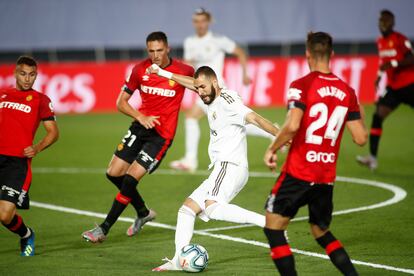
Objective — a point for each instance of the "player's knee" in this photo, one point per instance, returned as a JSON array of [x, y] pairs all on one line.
[[6, 216], [318, 231], [192, 205], [210, 210], [187, 211]]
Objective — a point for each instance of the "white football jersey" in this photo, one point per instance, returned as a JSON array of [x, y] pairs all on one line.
[[227, 119], [208, 50]]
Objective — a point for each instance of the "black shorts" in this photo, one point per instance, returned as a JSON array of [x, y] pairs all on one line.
[[393, 98], [290, 193], [15, 180], [143, 145]]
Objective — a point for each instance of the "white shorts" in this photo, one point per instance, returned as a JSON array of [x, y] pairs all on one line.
[[224, 183], [199, 102]]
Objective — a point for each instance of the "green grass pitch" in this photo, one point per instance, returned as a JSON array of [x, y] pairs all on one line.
[[381, 236]]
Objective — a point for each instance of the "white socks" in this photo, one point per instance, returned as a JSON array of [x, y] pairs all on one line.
[[234, 213], [256, 131], [192, 138], [184, 230]]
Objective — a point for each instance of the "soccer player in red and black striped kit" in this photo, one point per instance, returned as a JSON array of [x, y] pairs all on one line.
[[149, 137], [21, 111], [320, 105], [397, 61]]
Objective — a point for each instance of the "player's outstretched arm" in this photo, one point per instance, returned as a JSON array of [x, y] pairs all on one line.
[[123, 106], [286, 133], [186, 81], [289, 129], [261, 122], [52, 134]]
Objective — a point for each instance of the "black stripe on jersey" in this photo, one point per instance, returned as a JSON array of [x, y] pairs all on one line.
[[356, 115], [50, 118], [219, 178], [293, 104], [229, 99], [127, 90]]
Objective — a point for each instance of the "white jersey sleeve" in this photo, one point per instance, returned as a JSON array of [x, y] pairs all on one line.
[[226, 44], [235, 108]]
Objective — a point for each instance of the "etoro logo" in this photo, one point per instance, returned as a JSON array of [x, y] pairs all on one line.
[[10, 191], [145, 156], [324, 157]]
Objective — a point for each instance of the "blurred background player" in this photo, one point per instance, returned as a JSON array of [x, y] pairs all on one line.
[[209, 49], [21, 111], [149, 137], [319, 105], [397, 61], [227, 117]]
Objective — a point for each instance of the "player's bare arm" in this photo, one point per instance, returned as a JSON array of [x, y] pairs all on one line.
[[286, 133], [52, 135], [263, 123], [358, 131], [242, 57], [186, 81], [123, 106]]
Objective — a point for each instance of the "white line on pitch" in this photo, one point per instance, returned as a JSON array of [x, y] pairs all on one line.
[[399, 193], [217, 236]]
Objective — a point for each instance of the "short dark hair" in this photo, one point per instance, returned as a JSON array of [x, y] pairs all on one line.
[[203, 11], [157, 36], [205, 71], [387, 12], [319, 44], [27, 60]]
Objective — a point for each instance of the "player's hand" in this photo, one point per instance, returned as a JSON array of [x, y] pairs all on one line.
[[153, 69], [149, 121], [30, 151], [270, 159], [246, 79]]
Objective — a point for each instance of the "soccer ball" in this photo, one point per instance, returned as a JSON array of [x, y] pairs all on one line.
[[193, 258]]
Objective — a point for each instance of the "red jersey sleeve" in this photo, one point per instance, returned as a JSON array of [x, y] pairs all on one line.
[[46, 112], [296, 96], [353, 110], [403, 45], [132, 82]]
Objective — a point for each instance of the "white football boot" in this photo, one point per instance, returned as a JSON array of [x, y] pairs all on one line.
[[368, 161], [170, 265]]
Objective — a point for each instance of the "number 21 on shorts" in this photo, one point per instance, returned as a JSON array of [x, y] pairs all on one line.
[[333, 123], [129, 136]]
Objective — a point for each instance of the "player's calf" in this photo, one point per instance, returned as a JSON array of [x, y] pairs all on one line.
[[116, 180], [337, 254], [280, 252]]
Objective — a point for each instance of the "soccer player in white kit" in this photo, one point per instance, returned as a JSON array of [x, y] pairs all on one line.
[[209, 49], [227, 117]]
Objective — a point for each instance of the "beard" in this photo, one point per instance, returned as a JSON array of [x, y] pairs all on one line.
[[208, 99]]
